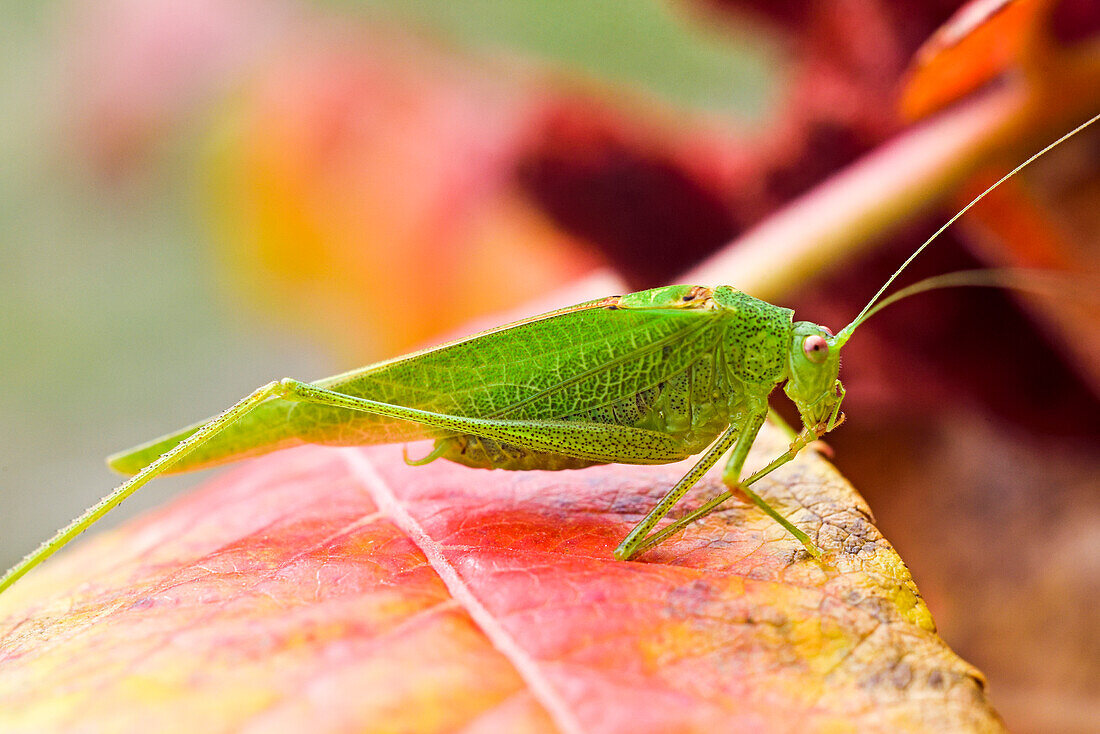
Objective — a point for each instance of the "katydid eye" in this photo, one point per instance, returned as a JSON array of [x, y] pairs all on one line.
[[816, 348]]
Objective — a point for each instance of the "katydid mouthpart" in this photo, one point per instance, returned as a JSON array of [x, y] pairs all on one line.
[[651, 377]]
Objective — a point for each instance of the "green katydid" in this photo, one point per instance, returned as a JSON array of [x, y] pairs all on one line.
[[650, 377]]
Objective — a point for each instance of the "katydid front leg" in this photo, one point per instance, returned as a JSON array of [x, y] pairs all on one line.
[[804, 439]]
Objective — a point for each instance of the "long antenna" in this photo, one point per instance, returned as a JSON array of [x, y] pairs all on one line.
[[1049, 283], [846, 332]]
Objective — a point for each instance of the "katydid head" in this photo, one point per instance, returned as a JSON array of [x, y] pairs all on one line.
[[813, 366]]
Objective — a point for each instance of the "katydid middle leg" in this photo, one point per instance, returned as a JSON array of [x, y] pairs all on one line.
[[633, 541], [741, 435], [804, 439]]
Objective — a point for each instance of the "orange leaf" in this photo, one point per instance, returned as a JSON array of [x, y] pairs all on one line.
[[976, 45], [341, 590], [363, 189], [1047, 51]]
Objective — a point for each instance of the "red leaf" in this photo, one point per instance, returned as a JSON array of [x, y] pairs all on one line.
[[341, 590]]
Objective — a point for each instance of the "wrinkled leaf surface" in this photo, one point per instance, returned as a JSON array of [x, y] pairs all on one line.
[[336, 590]]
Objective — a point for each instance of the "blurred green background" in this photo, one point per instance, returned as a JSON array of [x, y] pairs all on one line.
[[118, 321], [113, 326]]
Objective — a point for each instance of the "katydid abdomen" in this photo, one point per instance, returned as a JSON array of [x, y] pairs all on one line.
[[693, 407]]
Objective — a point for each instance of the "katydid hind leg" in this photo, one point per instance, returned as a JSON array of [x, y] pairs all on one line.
[[604, 442], [306, 393], [90, 516]]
